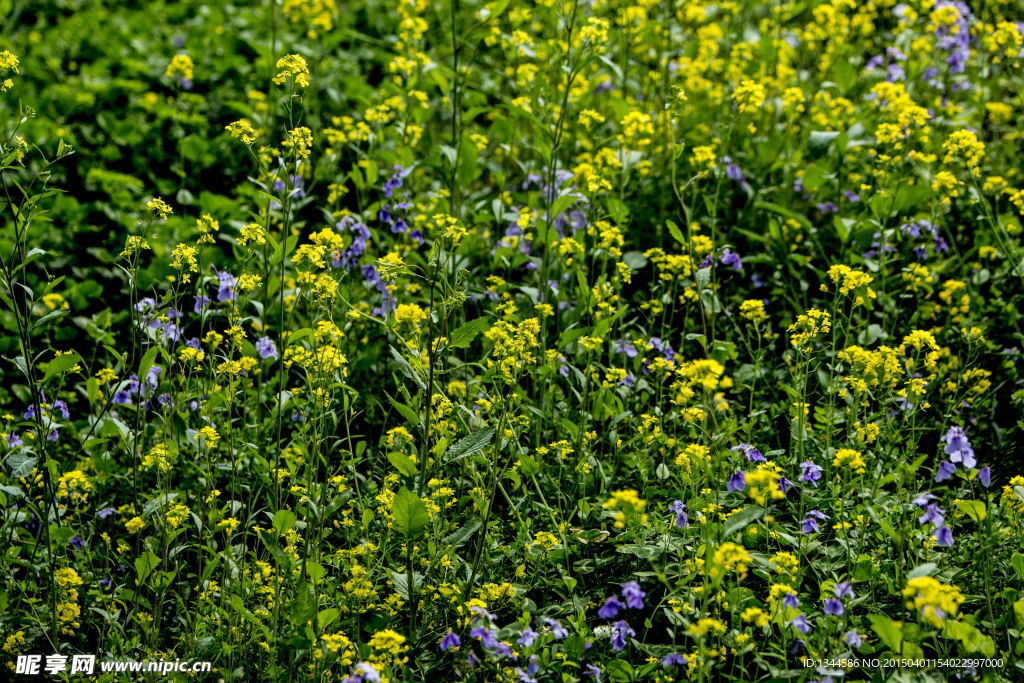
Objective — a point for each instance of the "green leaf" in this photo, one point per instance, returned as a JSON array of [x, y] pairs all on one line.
[[468, 445], [741, 519], [1018, 609], [409, 513], [1017, 561], [972, 639], [407, 369], [327, 617], [676, 233], [21, 464], [402, 463], [405, 411], [889, 632], [144, 566], [974, 509], [465, 333], [820, 139], [463, 533], [155, 504], [922, 570], [147, 362], [284, 521], [303, 604], [61, 364], [316, 571]]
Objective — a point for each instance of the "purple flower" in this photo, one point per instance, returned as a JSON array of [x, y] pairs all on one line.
[[852, 639], [946, 470], [731, 259], [202, 301], [801, 624], [532, 668], [449, 641], [672, 659], [985, 476], [489, 640], [610, 608], [933, 514], [266, 347], [527, 637], [679, 508], [811, 473], [958, 448], [627, 347], [923, 499], [633, 594], [363, 671], [106, 512], [226, 286], [833, 607], [944, 536], [620, 631], [790, 600], [77, 543], [735, 173], [62, 407], [810, 523], [844, 589], [751, 453], [557, 630], [737, 482], [592, 670], [14, 440], [395, 181]]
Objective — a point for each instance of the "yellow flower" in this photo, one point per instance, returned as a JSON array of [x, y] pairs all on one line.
[[807, 327], [67, 577], [299, 140], [933, 600], [242, 130], [134, 525], [159, 208], [251, 232], [180, 67], [849, 458], [755, 615], [190, 355], [731, 557], [133, 245], [749, 96], [177, 514], [410, 314], [753, 310], [292, 67], [184, 256], [703, 626], [208, 434]]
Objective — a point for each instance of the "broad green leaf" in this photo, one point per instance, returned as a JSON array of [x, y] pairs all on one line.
[[402, 463], [974, 509], [741, 519], [144, 566], [409, 513], [889, 632], [61, 364], [284, 521], [468, 445], [465, 333]]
